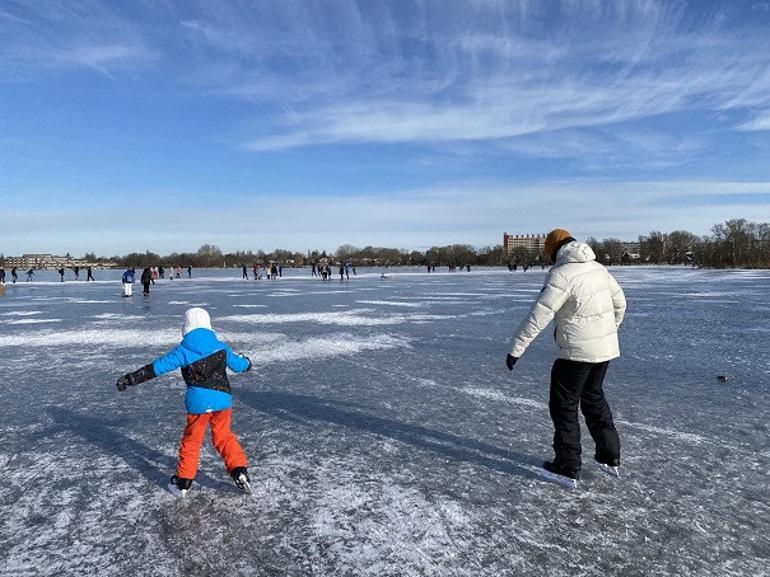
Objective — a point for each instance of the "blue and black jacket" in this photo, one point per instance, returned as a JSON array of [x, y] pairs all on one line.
[[204, 361]]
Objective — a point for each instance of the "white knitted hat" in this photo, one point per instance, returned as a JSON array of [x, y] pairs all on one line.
[[196, 318]]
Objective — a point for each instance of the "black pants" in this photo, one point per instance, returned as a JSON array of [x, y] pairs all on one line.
[[574, 383]]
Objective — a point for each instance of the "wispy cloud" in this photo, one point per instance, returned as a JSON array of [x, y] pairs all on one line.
[[760, 122]]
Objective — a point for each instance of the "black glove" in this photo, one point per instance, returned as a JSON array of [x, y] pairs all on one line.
[[146, 373], [250, 365], [510, 360], [124, 382]]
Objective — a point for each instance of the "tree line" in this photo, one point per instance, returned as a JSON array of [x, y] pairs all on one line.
[[734, 243]]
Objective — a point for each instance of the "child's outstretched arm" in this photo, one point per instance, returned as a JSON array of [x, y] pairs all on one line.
[[167, 363], [146, 373], [236, 362]]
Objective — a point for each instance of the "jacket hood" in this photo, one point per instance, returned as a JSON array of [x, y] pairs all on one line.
[[196, 318], [575, 252]]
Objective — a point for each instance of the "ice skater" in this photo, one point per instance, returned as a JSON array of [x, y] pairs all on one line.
[[61, 273], [146, 280], [588, 305], [30, 274], [203, 359], [128, 282], [14, 275], [2, 275], [90, 274]]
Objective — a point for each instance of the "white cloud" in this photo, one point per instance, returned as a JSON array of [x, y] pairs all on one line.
[[760, 122]]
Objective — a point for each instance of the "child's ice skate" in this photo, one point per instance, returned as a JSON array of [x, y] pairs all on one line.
[[241, 477], [179, 487]]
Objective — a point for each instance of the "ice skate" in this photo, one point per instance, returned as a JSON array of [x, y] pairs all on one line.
[[611, 467], [179, 487], [566, 477], [241, 477]]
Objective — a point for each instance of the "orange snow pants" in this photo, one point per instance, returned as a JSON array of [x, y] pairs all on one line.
[[222, 438]]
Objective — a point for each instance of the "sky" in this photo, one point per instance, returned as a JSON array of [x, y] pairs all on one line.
[[162, 125]]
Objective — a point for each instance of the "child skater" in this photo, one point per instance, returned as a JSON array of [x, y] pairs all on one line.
[[203, 359]]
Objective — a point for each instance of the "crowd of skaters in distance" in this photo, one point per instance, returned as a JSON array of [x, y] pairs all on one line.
[[272, 271], [61, 270]]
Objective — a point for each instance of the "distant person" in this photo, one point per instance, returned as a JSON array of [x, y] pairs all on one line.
[[61, 273], [90, 274], [245, 271], [128, 282], [189, 271], [30, 274], [204, 361], [161, 272], [76, 270], [588, 305], [313, 270], [14, 275], [347, 271], [2, 275], [342, 272], [146, 280]]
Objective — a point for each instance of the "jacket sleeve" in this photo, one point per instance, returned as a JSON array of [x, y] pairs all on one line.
[[168, 362], [618, 301], [551, 299], [237, 363]]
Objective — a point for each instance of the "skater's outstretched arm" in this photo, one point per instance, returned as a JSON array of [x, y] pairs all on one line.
[[552, 297], [165, 364], [146, 373], [236, 362]]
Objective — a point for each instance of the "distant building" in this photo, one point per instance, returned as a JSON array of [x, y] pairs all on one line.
[[534, 243], [633, 249], [27, 261]]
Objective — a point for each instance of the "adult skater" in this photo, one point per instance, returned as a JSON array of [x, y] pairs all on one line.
[[128, 282], [76, 270], [245, 272], [203, 359], [146, 280], [588, 305], [30, 273], [61, 273], [14, 275], [90, 274], [189, 271], [2, 275]]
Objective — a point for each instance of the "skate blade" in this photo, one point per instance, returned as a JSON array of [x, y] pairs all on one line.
[[566, 482], [610, 470], [177, 492], [243, 485]]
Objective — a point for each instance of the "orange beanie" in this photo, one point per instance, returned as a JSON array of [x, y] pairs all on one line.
[[552, 241]]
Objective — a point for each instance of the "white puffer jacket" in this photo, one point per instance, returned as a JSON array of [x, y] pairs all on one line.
[[586, 301]]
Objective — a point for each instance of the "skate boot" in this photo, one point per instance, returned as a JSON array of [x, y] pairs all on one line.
[[241, 477], [179, 487], [561, 475], [609, 466]]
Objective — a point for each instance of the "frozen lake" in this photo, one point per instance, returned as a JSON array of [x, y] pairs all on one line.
[[386, 435]]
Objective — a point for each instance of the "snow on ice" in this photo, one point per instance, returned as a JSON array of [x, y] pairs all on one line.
[[385, 434]]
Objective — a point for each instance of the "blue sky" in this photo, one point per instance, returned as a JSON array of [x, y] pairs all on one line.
[[161, 125]]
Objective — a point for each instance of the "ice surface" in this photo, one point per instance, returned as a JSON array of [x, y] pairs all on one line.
[[385, 434]]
